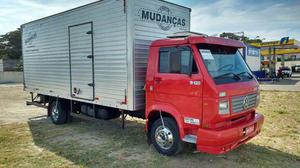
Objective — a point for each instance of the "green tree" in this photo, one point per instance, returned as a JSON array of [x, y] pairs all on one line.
[[230, 36], [10, 45], [254, 41], [245, 39]]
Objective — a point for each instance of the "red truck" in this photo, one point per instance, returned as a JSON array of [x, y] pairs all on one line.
[[200, 90], [111, 58]]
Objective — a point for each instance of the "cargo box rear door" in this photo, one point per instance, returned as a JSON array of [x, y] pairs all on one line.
[[81, 61]]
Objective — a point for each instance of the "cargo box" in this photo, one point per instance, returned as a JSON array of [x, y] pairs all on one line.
[[97, 53]]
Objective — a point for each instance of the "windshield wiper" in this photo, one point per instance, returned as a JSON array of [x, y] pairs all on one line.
[[227, 74], [245, 72]]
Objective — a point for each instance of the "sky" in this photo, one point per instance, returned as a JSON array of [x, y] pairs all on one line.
[[268, 19]]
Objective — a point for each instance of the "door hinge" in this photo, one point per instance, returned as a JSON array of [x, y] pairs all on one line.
[[124, 4], [89, 32], [91, 84], [90, 56]]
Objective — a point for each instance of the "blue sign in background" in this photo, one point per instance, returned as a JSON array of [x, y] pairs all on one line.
[[253, 51]]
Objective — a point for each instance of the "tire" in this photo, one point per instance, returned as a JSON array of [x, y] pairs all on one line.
[[171, 129], [60, 115]]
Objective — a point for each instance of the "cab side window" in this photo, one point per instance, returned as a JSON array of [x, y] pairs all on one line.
[[177, 60], [164, 59]]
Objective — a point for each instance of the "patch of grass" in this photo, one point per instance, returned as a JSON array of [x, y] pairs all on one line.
[[281, 129], [18, 149], [281, 112]]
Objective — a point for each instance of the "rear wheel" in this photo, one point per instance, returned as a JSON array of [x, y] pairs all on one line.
[[58, 112], [166, 138]]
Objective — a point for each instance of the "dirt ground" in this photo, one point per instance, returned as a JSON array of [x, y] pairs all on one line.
[[12, 105], [29, 139]]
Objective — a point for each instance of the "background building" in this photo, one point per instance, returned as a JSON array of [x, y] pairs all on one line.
[[282, 53]]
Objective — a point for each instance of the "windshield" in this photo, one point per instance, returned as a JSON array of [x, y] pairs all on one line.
[[224, 64]]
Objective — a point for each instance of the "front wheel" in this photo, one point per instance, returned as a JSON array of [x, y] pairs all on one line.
[[166, 138], [58, 112]]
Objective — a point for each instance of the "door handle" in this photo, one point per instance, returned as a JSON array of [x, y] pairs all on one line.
[[195, 82], [91, 84], [157, 80]]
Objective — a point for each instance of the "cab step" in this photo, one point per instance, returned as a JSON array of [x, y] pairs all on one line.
[[190, 138]]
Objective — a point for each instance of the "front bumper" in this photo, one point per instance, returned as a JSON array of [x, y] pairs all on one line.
[[218, 142]]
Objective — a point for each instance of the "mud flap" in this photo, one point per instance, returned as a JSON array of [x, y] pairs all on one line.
[[148, 138]]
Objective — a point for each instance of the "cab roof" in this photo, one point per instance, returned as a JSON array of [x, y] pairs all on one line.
[[198, 39]]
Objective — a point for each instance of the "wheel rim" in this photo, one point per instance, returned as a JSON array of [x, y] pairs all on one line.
[[54, 112], [164, 137]]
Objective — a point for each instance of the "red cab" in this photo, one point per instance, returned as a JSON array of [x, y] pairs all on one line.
[[200, 90]]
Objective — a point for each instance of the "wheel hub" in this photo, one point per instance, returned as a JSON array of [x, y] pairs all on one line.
[[164, 137], [54, 113]]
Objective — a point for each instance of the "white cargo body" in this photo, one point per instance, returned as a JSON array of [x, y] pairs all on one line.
[[98, 53]]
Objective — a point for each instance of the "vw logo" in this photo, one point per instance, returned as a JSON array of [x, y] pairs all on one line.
[[245, 102]]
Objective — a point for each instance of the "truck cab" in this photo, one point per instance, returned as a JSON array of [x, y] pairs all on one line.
[[200, 90]]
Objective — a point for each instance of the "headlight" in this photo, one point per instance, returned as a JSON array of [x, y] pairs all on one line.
[[223, 107]]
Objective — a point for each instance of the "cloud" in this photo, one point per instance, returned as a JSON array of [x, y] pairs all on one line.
[[267, 20], [270, 19], [17, 12]]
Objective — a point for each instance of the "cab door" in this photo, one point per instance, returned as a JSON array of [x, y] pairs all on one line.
[[178, 81]]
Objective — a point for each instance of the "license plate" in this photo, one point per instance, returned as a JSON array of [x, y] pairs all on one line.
[[249, 130]]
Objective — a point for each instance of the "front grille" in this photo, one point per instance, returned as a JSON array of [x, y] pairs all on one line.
[[239, 103]]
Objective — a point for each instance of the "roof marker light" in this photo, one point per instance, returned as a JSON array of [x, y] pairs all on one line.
[[186, 34]]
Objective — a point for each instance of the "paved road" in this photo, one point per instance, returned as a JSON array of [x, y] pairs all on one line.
[[288, 84]]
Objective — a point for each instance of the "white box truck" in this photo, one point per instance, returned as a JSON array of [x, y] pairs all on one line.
[[98, 53]]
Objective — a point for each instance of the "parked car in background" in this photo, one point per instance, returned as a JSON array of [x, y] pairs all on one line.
[[297, 69], [286, 71]]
